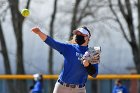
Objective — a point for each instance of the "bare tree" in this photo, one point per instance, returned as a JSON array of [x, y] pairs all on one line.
[[7, 67], [126, 9], [50, 60], [17, 20], [127, 15]]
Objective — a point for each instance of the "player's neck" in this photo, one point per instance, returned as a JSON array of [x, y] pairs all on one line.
[[85, 44]]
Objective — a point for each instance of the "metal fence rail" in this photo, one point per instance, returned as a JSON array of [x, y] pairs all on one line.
[[54, 77]]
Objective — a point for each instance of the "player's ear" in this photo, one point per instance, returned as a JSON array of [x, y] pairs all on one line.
[[87, 39]]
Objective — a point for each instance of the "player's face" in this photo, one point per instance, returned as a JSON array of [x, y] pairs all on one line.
[[86, 38]]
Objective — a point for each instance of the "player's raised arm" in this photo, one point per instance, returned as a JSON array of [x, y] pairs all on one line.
[[60, 47], [37, 31]]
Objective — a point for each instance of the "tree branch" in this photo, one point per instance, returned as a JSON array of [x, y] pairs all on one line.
[[2, 14], [28, 4], [83, 13], [129, 20], [122, 10], [117, 19], [139, 23], [98, 20]]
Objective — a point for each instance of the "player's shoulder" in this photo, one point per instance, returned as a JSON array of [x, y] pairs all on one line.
[[71, 45], [75, 46]]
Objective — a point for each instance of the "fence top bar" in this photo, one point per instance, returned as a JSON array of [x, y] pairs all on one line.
[[54, 77]]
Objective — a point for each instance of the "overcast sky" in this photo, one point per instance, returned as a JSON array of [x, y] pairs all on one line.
[[116, 53]]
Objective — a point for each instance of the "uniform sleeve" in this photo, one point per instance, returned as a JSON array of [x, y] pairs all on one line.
[[96, 70], [60, 47], [92, 69]]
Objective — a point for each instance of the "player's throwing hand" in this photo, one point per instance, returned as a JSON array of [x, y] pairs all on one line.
[[36, 30]]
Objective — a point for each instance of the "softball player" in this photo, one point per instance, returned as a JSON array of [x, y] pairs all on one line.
[[119, 87], [38, 84], [73, 77]]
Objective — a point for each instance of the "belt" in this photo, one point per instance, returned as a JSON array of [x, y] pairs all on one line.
[[70, 85]]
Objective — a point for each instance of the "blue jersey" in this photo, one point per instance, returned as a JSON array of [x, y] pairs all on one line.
[[73, 71], [37, 87], [119, 89]]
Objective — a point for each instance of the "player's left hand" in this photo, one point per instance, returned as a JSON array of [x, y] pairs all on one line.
[[95, 59]]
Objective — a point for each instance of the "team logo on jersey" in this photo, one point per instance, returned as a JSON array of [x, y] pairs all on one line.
[[79, 55]]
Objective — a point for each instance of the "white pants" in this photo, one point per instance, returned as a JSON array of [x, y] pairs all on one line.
[[63, 89]]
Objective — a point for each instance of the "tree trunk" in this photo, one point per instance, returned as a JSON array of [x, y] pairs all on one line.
[[136, 57], [17, 20], [138, 60], [50, 60], [6, 61], [139, 23], [74, 23], [20, 65]]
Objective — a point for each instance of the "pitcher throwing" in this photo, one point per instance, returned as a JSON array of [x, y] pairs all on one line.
[[73, 77]]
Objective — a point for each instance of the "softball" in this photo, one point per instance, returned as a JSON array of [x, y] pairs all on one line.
[[25, 12]]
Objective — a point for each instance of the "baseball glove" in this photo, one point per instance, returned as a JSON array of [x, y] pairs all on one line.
[[92, 55]]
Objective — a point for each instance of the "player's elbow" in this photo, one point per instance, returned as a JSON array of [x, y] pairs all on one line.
[[95, 75]]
